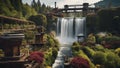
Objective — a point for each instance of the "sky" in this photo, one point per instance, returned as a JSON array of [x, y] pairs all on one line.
[[61, 3]]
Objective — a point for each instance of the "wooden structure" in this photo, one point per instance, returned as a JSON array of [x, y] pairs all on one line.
[[12, 64], [7, 19], [39, 38], [76, 9], [10, 44], [40, 35]]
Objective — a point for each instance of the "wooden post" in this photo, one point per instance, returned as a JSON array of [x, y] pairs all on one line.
[[85, 8], [55, 5]]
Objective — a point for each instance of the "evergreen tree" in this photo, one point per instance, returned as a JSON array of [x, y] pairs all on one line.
[[39, 6], [4, 10], [8, 4], [17, 4], [34, 5], [43, 8], [28, 11]]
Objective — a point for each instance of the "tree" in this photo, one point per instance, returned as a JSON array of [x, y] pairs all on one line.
[[28, 11], [17, 4], [92, 23], [39, 19], [39, 6], [44, 10], [34, 5]]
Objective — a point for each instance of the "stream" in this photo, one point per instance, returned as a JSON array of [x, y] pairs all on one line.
[[64, 51], [68, 28]]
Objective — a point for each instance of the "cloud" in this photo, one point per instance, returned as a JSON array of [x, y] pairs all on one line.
[[69, 2], [61, 3]]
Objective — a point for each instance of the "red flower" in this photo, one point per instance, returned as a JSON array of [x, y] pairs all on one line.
[[37, 56], [79, 62]]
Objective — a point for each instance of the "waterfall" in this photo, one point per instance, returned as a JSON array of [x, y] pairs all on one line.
[[68, 28]]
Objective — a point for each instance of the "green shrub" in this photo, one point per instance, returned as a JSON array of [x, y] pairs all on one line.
[[91, 38], [88, 51], [51, 41], [110, 41], [99, 58], [117, 51], [39, 19], [50, 56], [75, 47], [75, 43], [113, 60], [1, 53], [99, 48], [48, 59], [54, 52]]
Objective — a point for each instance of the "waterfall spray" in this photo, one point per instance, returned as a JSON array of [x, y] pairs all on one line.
[[68, 28]]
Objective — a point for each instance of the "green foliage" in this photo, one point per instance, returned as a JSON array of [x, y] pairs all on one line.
[[39, 19], [29, 35], [82, 54], [18, 7], [104, 20], [1, 53], [99, 58], [92, 20], [110, 41], [107, 20], [6, 26], [75, 44], [88, 51], [91, 38], [50, 56], [108, 3], [75, 47], [113, 60], [99, 48], [51, 41], [40, 8], [117, 51], [28, 11], [54, 52], [15, 8], [51, 22]]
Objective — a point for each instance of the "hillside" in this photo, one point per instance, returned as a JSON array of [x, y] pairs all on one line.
[[15, 8], [108, 3]]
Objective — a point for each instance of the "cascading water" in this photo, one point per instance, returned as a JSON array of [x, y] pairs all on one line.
[[68, 29]]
